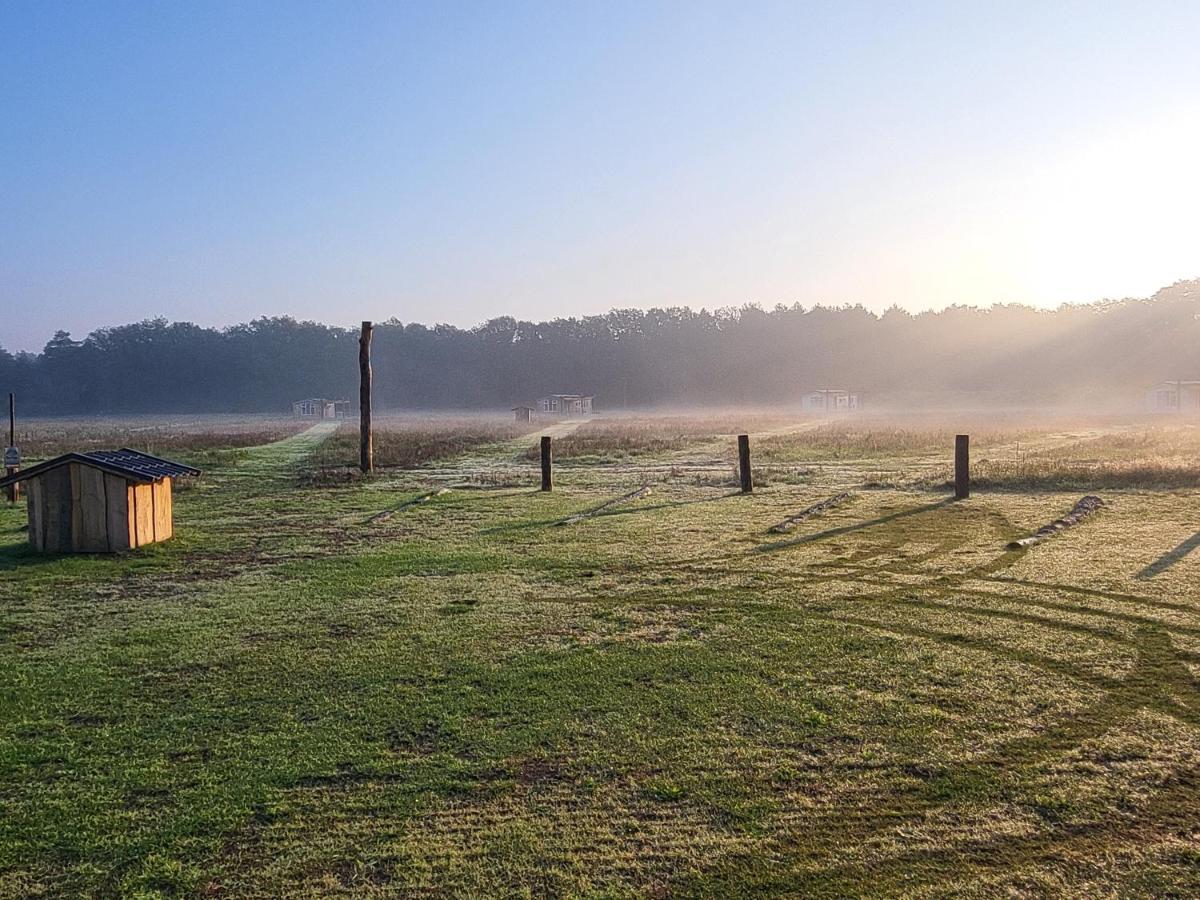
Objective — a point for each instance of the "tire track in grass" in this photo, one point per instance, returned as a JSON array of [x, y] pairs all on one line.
[[1159, 682]]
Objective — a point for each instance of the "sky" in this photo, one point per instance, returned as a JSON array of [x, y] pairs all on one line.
[[451, 162]]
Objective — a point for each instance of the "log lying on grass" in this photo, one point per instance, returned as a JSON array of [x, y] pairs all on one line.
[[388, 513], [641, 492], [815, 510], [1084, 508]]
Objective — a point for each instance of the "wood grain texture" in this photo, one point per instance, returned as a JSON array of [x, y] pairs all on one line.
[[34, 504], [90, 514], [366, 448], [744, 472], [162, 509], [56, 508], [117, 512], [547, 446], [143, 504]]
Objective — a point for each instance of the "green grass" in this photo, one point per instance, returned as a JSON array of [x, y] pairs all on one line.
[[663, 699]]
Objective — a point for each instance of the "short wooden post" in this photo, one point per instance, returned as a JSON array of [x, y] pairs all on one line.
[[962, 466], [14, 490], [366, 450], [744, 463], [547, 464]]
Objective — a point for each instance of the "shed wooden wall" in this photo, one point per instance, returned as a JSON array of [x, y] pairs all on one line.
[[79, 509]]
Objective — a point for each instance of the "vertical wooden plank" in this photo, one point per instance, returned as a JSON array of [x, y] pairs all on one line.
[[92, 514], [76, 507], [37, 526], [162, 510], [117, 512], [131, 507], [56, 509], [744, 474], [154, 511], [168, 489], [144, 504], [962, 466]]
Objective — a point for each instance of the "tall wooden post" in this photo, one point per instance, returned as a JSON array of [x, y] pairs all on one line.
[[962, 466], [547, 464], [14, 490], [366, 451], [744, 463]]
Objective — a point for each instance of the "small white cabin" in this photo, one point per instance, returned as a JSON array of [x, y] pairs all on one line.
[[827, 400], [1174, 397], [565, 405], [320, 408]]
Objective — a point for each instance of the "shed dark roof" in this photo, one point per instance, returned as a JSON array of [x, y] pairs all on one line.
[[132, 465]]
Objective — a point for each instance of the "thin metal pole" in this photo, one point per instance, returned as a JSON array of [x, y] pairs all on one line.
[[14, 490]]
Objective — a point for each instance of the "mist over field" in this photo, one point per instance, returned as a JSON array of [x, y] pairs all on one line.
[[1102, 356]]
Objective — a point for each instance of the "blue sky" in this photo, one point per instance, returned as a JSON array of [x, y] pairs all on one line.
[[214, 162]]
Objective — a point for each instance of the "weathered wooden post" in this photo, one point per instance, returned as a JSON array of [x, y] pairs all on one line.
[[744, 463], [366, 450], [962, 466], [12, 456], [547, 464]]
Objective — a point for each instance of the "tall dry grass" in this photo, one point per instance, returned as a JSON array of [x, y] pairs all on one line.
[[414, 441], [613, 439], [44, 438]]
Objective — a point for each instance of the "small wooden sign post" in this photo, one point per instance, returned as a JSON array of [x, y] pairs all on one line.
[[547, 464], [744, 463], [962, 466], [366, 450], [12, 456]]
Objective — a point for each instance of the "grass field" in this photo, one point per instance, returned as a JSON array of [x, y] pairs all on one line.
[[297, 697]]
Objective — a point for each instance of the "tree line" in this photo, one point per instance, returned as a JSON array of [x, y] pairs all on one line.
[[1105, 353]]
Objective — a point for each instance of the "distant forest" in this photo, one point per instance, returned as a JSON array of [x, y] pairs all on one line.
[[1102, 353]]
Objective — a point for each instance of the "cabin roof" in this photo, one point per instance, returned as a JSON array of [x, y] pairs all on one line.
[[132, 465]]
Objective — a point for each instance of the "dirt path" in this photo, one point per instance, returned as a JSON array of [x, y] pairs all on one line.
[[278, 459], [1056, 440], [500, 461], [793, 428]]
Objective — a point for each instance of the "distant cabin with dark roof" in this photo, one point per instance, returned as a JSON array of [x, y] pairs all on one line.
[[102, 501]]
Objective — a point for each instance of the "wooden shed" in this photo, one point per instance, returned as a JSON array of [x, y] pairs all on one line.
[[101, 501]]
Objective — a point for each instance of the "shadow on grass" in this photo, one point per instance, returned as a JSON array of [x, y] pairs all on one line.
[[22, 555], [671, 505], [1169, 558], [545, 523], [850, 529], [485, 492]]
